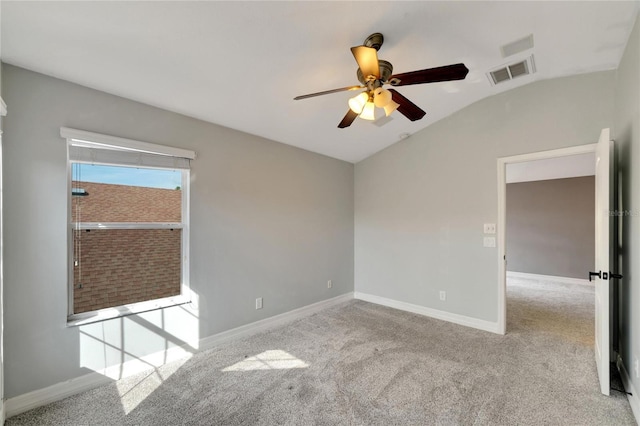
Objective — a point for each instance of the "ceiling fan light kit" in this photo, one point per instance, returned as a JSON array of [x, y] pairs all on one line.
[[381, 97], [374, 73], [368, 112], [358, 102], [390, 107]]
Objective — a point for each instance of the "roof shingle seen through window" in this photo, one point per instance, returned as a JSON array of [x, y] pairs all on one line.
[[123, 203]]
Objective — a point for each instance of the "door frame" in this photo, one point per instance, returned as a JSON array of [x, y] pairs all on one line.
[[502, 217]]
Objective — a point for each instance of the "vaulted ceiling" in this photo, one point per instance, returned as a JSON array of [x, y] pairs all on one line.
[[240, 64]]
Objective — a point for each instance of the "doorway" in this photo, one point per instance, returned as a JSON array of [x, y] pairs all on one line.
[[550, 245], [520, 162]]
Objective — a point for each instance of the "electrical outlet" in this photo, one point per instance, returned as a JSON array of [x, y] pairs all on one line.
[[443, 295], [489, 228], [259, 303], [489, 241], [329, 284], [635, 366]]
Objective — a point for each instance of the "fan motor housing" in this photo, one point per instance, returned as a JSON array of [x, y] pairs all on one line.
[[386, 69]]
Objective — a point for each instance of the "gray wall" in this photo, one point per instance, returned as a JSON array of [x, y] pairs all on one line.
[[551, 227], [267, 220], [420, 204], [626, 133]]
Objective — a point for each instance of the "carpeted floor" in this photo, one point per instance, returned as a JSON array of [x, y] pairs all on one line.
[[363, 364]]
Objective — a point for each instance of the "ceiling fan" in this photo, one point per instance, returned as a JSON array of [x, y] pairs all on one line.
[[374, 73]]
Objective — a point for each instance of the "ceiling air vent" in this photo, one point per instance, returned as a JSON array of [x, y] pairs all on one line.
[[511, 71], [516, 70], [498, 76], [517, 46]]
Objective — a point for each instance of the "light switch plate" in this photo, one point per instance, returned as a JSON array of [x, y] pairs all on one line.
[[489, 241], [489, 228]]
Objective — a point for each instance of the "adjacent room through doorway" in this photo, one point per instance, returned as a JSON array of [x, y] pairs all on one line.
[[550, 245]]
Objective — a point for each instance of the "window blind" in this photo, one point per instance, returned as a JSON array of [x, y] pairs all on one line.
[[125, 157], [92, 148]]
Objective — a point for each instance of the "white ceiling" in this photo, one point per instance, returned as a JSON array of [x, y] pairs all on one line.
[[239, 64], [552, 168]]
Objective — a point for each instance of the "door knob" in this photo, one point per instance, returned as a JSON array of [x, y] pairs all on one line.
[[595, 274], [612, 275]]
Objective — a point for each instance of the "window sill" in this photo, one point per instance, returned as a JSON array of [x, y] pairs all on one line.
[[123, 311]]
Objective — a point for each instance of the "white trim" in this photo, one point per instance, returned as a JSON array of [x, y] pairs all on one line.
[[53, 393], [84, 138], [3, 112], [70, 260], [554, 153], [501, 240], [37, 398], [502, 207], [74, 320], [185, 283], [634, 400], [430, 312], [539, 277], [2, 408], [271, 322]]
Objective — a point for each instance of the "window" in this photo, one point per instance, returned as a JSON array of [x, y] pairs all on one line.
[[128, 226]]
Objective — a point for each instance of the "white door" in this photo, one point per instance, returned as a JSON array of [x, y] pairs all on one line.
[[603, 342], [2, 413]]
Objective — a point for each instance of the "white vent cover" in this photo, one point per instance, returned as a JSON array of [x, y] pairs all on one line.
[[511, 71], [517, 46]]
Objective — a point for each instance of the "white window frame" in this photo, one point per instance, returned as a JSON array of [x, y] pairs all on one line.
[[87, 139]]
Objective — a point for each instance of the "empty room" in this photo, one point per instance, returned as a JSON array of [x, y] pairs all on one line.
[[231, 213]]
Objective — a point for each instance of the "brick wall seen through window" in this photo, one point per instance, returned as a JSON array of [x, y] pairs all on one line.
[[115, 267]]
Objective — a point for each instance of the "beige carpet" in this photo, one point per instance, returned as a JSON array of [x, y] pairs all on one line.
[[363, 364]]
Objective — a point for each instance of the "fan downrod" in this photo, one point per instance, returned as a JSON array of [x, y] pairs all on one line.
[[375, 40]]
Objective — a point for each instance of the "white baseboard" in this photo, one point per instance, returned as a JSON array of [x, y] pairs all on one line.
[[271, 322], [539, 277], [89, 381], [430, 312], [1, 411], [37, 398], [634, 400]]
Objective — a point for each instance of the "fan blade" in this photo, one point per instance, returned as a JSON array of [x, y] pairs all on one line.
[[326, 92], [367, 59], [407, 108], [348, 119], [431, 75]]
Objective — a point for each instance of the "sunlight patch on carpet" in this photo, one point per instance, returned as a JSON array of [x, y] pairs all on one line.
[[133, 392], [268, 360]]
